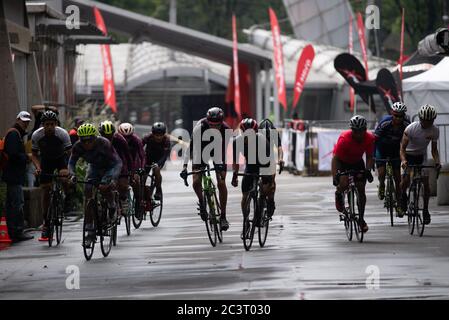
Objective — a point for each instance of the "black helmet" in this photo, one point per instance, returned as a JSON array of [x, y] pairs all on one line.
[[248, 123], [49, 116], [266, 124], [215, 115], [159, 128]]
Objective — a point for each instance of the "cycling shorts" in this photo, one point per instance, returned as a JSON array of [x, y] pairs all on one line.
[[49, 166], [247, 182], [414, 160], [384, 155]]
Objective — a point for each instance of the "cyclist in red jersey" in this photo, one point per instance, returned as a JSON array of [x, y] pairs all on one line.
[[348, 155]]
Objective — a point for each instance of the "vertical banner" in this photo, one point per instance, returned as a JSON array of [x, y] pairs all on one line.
[[236, 69], [351, 51], [278, 59], [108, 81], [326, 144], [361, 32], [302, 71], [401, 55]]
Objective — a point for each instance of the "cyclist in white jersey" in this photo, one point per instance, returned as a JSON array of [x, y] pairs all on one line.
[[415, 141]]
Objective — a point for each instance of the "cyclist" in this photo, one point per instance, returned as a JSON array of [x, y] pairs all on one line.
[[253, 143], [73, 132], [104, 165], [348, 155], [388, 139], [157, 151], [137, 156], [50, 151], [415, 141], [266, 127], [214, 120], [107, 130]]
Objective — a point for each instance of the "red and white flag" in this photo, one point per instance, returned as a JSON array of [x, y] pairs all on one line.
[[302, 71], [108, 80], [236, 68], [278, 59], [361, 32], [351, 50]]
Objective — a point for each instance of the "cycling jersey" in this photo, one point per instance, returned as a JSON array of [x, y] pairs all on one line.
[[388, 137], [257, 151], [198, 132], [351, 152], [419, 138], [53, 146], [102, 158], [156, 152], [137, 154], [121, 147]]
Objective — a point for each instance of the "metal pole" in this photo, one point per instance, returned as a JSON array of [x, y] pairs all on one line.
[[259, 97], [173, 11]]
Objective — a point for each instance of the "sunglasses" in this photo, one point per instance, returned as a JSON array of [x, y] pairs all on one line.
[[87, 141], [399, 116]]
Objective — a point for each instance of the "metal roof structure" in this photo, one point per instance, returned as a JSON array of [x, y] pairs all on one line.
[[141, 28]]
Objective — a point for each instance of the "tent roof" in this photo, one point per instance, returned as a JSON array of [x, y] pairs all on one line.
[[436, 78]]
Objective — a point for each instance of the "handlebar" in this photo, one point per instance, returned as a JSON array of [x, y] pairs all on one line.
[[350, 172], [185, 175], [388, 159]]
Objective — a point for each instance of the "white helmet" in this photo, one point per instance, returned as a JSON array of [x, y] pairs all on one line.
[[399, 107], [358, 123], [427, 112], [126, 129]]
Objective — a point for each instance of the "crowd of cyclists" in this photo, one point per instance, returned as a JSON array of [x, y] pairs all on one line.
[[115, 154]]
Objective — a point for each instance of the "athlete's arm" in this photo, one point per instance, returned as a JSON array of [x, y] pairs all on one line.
[[404, 144]]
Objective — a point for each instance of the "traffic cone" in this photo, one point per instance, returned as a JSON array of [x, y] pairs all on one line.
[[4, 237]]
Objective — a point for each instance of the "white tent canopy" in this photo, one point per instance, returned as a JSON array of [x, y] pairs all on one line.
[[429, 87]]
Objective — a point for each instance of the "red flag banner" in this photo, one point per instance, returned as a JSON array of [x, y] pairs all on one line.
[[401, 56], [108, 82], [236, 68], [361, 32], [302, 71], [351, 50], [278, 59]]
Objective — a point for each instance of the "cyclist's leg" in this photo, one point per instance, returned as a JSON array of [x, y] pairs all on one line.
[[158, 182], [268, 190], [92, 174], [222, 190], [246, 187], [380, 174], [48, 167], [196, 183], [426, 214], [343, 183]]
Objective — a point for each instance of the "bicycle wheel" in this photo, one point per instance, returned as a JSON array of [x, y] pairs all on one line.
[[91, 209], [127, 212], [390, 192], [114, 235], [410, 210], [357, 218], [264, 223], [348, 218], [419, 209], [138, 214], [217, 218], [211, 223], [248, 222], [51, 217], [156, 211], [106, 236], [59, 220]]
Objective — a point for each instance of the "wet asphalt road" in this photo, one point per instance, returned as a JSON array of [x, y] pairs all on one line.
[[307, 255]]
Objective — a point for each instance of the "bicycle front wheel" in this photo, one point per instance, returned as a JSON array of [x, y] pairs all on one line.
[[419, 209], [156, 211], [248, 222], [107, 235], [357, 218], [211, 221], [217, 218], [390, 193], [59, 221], [348, 217], [51, 217], [88, 245], [411, 210], [264, 223], [138, 214]]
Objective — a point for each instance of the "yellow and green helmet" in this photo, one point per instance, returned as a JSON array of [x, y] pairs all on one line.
[[87, 130], [107, 128]]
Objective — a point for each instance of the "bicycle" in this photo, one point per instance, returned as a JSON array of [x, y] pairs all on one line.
[[415, 206], [127, 208], [55, 212], [155, 206], [212, 204], [351, 217], [256, 214], [390, 201], [97, 206]]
